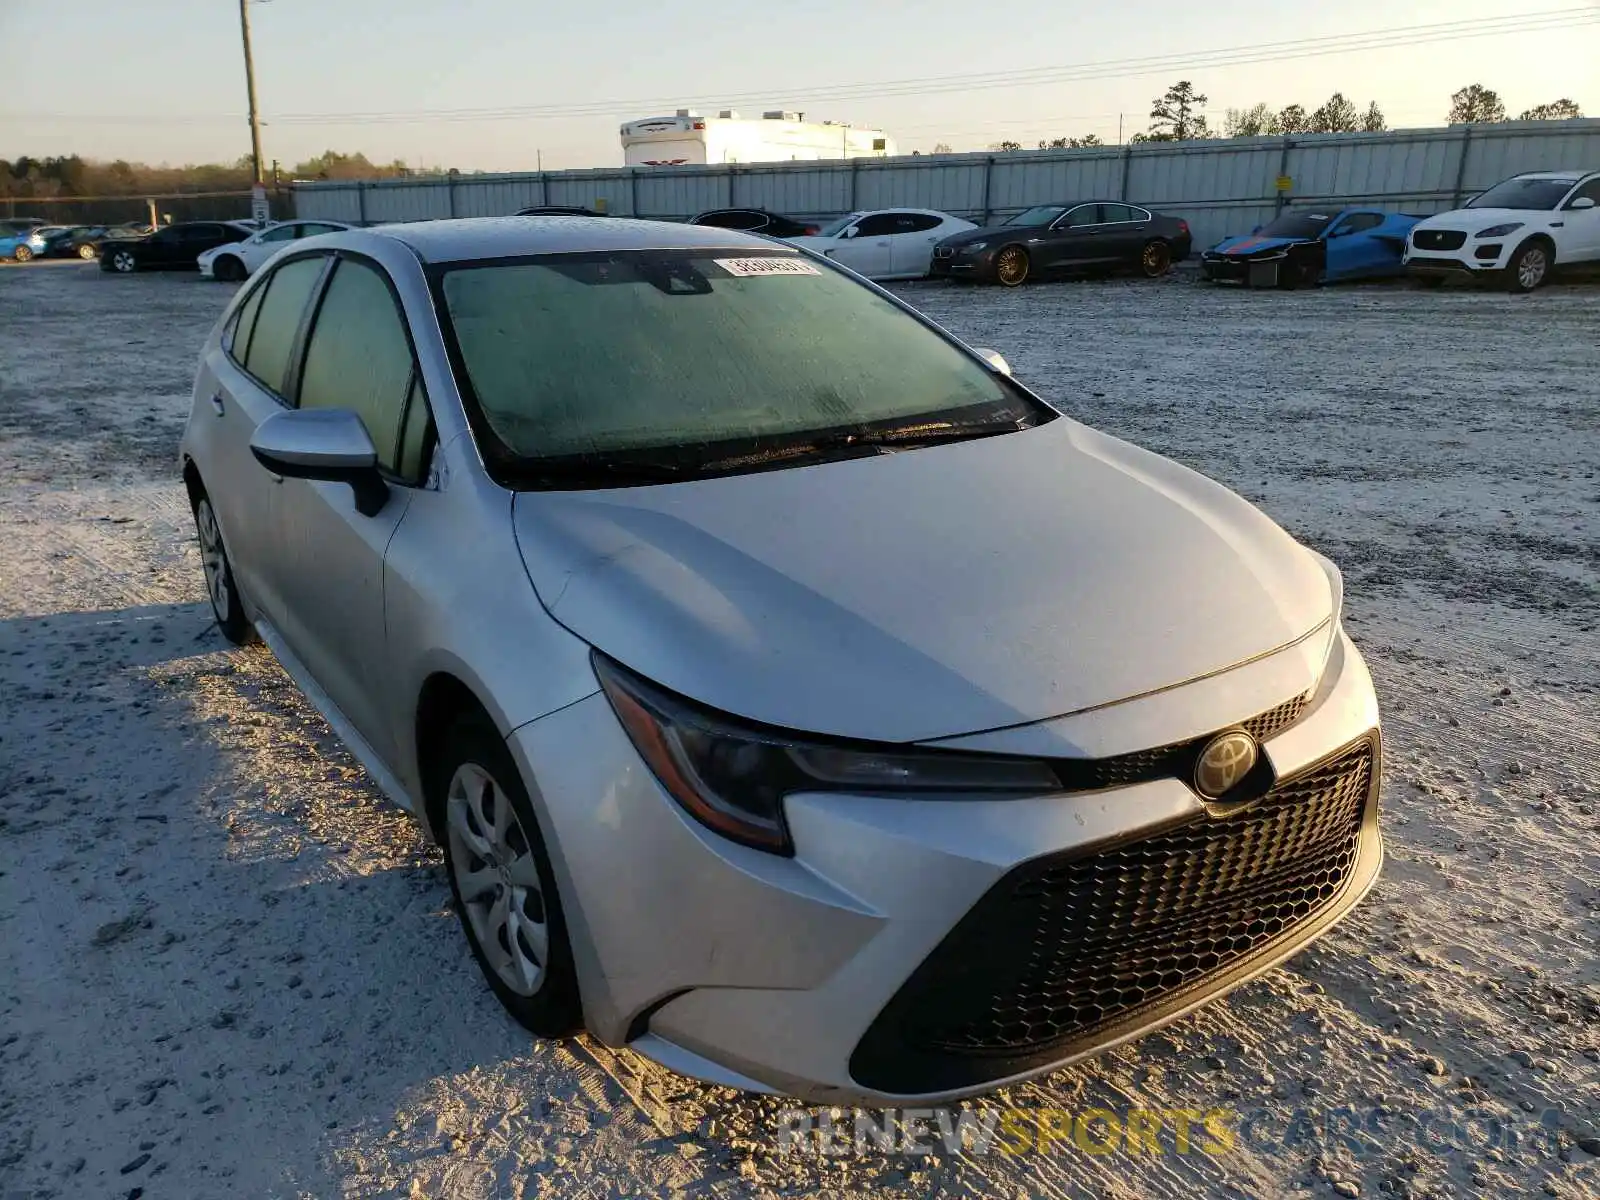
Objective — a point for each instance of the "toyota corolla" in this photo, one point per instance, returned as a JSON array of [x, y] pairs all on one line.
[[798, 698]]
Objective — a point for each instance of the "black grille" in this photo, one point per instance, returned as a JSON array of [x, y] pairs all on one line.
[[1438, 239], [1064, 948]]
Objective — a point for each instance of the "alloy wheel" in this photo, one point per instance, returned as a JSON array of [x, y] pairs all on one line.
[[1156, 259], [212, 560], [1011, 266], [1531, 267], [23, 254], [497, 878], [85, 251], [123, 261]]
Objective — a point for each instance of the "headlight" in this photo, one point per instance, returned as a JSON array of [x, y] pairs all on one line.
[[1500, 230], [972, 247], [732, 777]]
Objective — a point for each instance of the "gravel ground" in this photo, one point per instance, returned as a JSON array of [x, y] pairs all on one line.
[[228, 969]]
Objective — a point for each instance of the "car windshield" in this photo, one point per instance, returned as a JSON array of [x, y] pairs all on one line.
[[1541, 194], [584, 367], [1039, 214], [835, 227], [1297, 225]]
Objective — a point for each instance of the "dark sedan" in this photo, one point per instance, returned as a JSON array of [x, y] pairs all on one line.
[[1060, 239], [757, 220], [170, 248], [76, 241]]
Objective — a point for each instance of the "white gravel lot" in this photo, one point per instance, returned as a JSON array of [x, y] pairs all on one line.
[[228, 969]]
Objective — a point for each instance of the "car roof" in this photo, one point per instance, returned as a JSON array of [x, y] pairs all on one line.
[[510, 237], [1565, 175]]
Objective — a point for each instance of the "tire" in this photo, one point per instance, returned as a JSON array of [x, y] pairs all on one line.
[[220, 587], [1529, 267], [1155, 260], [1298, 273], [22, 254], [227, 268], [1011, 266], [123, 262], [502, 881], [87, 252]]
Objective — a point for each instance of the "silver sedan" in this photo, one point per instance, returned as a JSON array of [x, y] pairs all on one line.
[[799, 700]]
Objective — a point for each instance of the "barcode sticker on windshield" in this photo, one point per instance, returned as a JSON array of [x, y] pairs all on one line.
[[766, 266]]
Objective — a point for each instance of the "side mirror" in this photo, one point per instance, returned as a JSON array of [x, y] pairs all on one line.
[[1582, 202], [330, 444], [995, 359]]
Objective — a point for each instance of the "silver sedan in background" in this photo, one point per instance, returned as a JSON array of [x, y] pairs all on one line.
[[799, 700]]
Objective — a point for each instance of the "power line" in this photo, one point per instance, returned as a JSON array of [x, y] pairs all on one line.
[[1412, 35]]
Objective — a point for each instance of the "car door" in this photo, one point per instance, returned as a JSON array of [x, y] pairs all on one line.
[[164, 247], [1071, 239], [911, 244], [867, 246], [327, 560], [246, 377], [1580, 226], [1122, 233]]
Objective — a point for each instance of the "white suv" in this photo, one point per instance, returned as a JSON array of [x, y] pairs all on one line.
[[1517, 231]]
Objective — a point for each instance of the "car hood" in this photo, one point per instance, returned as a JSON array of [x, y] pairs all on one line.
[[990, 232], [1251, 245], [1470, 220], [925, 593]]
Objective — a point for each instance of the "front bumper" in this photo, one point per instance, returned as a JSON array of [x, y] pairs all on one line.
[[1474, 258], [1252, 272], [831, 976], [204, 264], [963, 266]]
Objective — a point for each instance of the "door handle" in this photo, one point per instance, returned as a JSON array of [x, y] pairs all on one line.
[[217, 406]]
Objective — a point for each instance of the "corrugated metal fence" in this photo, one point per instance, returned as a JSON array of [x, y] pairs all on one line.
[[1219, 187]]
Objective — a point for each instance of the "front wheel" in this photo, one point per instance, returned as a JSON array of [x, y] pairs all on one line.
[[1011, 266], [221, 588], [86, 252], [504, 887], [1529, 267], [22, 254], [1155, 259], [228, 269], [124, 263]]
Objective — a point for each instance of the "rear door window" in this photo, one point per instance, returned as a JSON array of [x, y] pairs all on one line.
[[278, 321]]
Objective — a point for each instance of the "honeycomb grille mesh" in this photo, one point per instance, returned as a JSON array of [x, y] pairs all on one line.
[[1060, 948]]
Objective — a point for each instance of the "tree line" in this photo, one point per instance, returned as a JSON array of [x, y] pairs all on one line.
[[1177, 116], [73, 175]]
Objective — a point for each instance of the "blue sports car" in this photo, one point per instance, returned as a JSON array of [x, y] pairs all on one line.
[[20, 246], [1304, 247]]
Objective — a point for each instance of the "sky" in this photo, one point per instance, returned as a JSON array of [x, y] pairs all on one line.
[[163, 80]]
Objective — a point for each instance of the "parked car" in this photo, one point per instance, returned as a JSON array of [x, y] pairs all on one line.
[[172, 247], [15, 225], [556, 210], [1057, 239], [1517, 233], [886, 244], [757, 730], [239, 260], [74, 241], [757, 220], [1301, 248], [21, 246]]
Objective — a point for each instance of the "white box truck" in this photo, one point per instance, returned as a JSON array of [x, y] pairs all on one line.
[[688, 138]]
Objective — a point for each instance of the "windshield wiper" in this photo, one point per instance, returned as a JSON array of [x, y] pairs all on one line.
[[598, 472], [879, 441]]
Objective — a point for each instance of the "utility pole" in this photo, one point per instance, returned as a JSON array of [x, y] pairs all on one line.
[[250, 89]]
